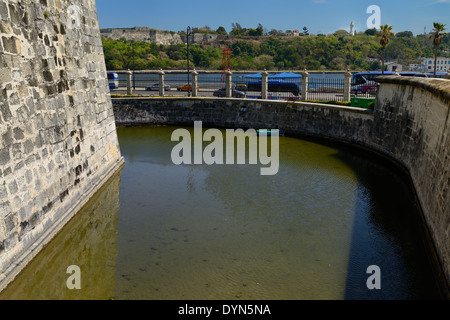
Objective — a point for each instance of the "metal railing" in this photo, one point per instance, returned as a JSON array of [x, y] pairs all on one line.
[[277, 86]]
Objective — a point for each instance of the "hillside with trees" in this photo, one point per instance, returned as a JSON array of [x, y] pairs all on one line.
[[257, 49]]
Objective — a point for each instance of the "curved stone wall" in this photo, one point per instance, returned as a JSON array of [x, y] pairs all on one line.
[[410, 125]]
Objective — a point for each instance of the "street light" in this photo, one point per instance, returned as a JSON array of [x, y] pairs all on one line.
[[188, 33], [132, 54]]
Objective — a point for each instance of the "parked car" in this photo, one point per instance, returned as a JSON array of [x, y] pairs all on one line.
[[186, 86], [155, 87], [222, 93], [241, 87]]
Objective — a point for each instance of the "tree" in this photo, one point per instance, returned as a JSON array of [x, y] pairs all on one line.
[[375, 66], [385, 33], [221, 31], [371, 32], [275, 32], [286, 52], [305, 31], [404, 34], [264, 62], [340, 33], [260, 30], [437, 40], [236, 29], [253, 32]]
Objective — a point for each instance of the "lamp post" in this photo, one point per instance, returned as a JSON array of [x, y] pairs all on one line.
[[188, 33], [132, 54]]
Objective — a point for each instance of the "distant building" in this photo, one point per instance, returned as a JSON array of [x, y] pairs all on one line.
[[293, 33], [394, 66], [352, 29], [427, 65], [417, 67]]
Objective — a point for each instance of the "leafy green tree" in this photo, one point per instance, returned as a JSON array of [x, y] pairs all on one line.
[[264, 62], [371, 32], [305, 31], [221, 31], [438, 30], [341, 33], [260, 30], [375, 66], [252, 32], [446, 39], [404, 34], [275, 32], [237, 30], [275, 51]]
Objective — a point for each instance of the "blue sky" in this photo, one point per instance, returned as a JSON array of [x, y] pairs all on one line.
[[320, 16]]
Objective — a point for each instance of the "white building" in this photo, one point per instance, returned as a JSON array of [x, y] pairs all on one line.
[[394, 66], [352, 29], [417, 67], [443, 64]]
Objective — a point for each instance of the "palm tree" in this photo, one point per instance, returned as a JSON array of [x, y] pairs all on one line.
[[385, 33], [438, 29]]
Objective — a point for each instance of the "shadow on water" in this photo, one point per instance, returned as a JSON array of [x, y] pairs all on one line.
[[388, 232]]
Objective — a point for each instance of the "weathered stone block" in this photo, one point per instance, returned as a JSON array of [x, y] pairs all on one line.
[[4, 14], [4, 156], [11, 45], [5, 209]]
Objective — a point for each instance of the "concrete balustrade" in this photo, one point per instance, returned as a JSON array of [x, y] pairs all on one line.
[[229, 85]]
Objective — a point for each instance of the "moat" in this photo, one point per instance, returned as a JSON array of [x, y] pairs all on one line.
[[160, 231]]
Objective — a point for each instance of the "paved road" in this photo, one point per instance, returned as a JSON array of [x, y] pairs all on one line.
[[172, 92], [209, 93]]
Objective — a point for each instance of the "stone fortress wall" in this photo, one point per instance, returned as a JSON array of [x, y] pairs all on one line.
[[146, 34], [58, 136]]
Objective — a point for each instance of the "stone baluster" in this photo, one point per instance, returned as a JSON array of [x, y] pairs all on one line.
[[229, 84], [305, 81], [264, 84], [194, 74], [347, 85], [129, 82], [161, 83]]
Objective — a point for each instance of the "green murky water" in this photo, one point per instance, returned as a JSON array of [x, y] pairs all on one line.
[[160, 231]]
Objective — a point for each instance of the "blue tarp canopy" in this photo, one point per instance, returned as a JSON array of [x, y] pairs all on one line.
[[286, 75], [254, 76], [283, 75]]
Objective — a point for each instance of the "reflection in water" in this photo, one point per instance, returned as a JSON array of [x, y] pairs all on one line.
[[226, 232], [89, 241]]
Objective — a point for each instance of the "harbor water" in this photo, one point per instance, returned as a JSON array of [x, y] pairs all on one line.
[[159, 231]]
